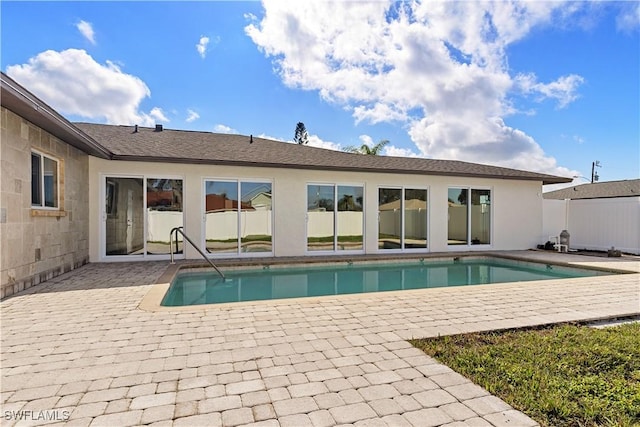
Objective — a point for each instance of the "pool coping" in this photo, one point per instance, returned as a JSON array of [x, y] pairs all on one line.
[[152, 300]]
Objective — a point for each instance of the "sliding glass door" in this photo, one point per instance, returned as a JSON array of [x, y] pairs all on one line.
[[139, 213], [469, 216], [402, 218], [124, 216], [238, 217], [335, 217]]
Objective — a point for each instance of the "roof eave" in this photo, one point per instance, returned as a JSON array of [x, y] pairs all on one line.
[[546, 179], [16, 98]]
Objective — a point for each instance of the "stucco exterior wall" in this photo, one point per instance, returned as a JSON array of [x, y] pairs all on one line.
[[516, 221], [36, 246]]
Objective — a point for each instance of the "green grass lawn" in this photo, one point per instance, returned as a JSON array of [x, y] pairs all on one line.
[[566, 375]]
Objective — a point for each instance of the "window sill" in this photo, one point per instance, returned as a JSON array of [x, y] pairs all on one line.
[[49, 213]]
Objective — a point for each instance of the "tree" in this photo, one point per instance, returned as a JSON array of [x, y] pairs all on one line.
[[365, 149], [301, 136]]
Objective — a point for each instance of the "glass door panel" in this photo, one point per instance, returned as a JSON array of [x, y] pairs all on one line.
[[256, 217], [320, 217], [389, 218], [350, 220], [221, 217], [480, 217], [415, 218], [164, 212], [124, 222], [458, 216]]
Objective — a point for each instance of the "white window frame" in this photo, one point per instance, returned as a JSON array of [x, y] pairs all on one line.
[[104, 215], [335, 250], [42, 206], [239, 253], [402, 189], [469, 245]]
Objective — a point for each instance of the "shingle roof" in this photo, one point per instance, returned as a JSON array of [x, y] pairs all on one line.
[[598, 190], [179, 146]]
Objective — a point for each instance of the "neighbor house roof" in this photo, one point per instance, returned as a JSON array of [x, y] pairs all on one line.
[[598, 190], [179, 146], [16, 98]]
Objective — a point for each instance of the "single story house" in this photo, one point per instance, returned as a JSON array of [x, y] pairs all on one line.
[[73, 193], [598, 216]]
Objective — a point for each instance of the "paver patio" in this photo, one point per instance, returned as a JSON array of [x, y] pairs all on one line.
[[79, 346]]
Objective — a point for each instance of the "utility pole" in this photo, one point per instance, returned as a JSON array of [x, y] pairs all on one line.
[[594, 174]]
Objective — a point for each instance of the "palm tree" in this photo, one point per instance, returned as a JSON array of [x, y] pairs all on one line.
[[365, 149]]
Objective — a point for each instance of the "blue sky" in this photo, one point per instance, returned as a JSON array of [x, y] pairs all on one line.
[[543, 86]]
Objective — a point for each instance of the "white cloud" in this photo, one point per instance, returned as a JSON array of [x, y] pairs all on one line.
[[192, 116], [72, 82], [440, 68], [201, 47], [392, 150], [158, 115], [219, 128], [629, 18], [563, 89], [86, 29], [366, 139], [316, 141]]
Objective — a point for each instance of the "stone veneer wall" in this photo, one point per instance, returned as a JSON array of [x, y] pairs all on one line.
[[37, 245]]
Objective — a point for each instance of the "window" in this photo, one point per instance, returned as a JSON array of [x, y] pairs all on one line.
[[469, 216], [335, 220], [402, 218], [44, 181]]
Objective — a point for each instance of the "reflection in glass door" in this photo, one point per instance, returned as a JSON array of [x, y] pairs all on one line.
[[389, 218], [124, 216], [402, 218], [221, 216], [320, 217], [164, 212], [238, 217], [139, 213]]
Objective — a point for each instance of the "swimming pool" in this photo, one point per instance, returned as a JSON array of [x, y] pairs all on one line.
[[268, 283]]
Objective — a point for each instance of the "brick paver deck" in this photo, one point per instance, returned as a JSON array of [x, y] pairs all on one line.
[[78, 345]]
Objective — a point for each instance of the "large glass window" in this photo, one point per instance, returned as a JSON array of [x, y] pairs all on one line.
[[44, 181], [402, 218], [469, 216], [335, 218], [238, 217]]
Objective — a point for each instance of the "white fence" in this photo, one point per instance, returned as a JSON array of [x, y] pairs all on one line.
[[596, 224]]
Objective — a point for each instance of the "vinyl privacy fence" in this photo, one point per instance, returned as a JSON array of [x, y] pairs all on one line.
[[595, 224]]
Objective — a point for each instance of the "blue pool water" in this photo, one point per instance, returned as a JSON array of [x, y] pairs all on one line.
[[192, 288]]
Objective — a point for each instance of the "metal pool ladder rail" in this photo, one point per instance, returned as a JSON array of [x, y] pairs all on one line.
[[177, 230]]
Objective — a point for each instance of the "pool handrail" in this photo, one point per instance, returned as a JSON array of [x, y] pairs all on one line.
[[177, 230]]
